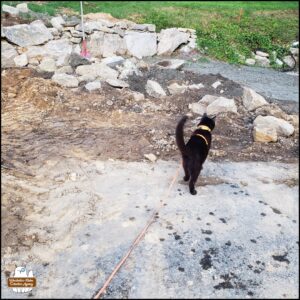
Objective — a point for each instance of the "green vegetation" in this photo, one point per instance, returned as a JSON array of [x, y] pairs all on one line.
[[225, 29]]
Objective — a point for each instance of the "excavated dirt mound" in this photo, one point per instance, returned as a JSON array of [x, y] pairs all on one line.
[[41, 119]]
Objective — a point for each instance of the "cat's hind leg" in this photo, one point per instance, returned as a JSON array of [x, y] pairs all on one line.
[[195, 171], [185, 168]]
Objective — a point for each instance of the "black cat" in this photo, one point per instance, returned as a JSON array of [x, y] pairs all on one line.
[[196, 150]]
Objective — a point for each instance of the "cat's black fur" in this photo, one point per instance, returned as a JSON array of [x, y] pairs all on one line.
[[196, 150]]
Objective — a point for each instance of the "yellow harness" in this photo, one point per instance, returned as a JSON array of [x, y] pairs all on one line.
[[203, 127]]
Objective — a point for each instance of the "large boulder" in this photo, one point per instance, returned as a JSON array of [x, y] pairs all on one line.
[[8, 53], [252, 100], [97, 70], [221, 105], [140, 44], [154, 89], [24, 35], [60, 50], [113, 44], [281, 126], [170, 39]]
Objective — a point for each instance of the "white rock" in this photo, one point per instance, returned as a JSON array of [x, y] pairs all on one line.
[[23, 8], [289, 61], [54, 32], [138, 96], [278, 62], [86, 77], [174, 64], [197, 108], [264, 134], [170, 39], [117, 83], [65, 69], [97, 70], [65, 80], [295, 44], [57, 22], [220, 105], [113, 44], [21, 60], [10, 10], [176, 89], [186, 49], [262, 54], [154, 89], [294, 51], [252, 100], [129, 68], [25, 35], [75, 40], [250, 61], [76, 33], [91, 86], [60, 50], [208, 99], [281, 126], [112, 60], [140, 44], [151, 157], [216, 84], [196, 86], [262, 61], [8, 53], [48, 64]]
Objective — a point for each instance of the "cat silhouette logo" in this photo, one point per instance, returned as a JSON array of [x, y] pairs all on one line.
[[21, 281]]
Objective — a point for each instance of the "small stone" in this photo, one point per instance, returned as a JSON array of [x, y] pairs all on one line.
[[220, 105], [197, 108], [195, 86], [262, 54], [73, 176], [278, 62], [138, 96], [264, 134], [47, 65], [151, 157], [216, 84], [23, 8], [113, 61], [252, 100], [57, 22], [76, 60], [175, 88], [109, 102], [289, 61], [262, 61], [154, 89], [21, 60], [11, 95], [250, 61]]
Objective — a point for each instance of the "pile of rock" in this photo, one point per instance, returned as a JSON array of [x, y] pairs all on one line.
[[265, 128], [264, 59], [105, 35]]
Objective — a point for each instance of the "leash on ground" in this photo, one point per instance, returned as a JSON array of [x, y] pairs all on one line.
[[138, 238]]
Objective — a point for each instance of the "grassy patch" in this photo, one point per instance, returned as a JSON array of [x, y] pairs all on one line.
[[225, 29]]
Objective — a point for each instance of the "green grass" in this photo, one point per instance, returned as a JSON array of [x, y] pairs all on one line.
[[224, 28]]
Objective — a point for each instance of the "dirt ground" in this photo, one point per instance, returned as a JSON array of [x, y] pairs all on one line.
[[44, 124]]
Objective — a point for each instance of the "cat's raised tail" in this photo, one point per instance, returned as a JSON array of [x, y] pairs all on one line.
[[179, 135]]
